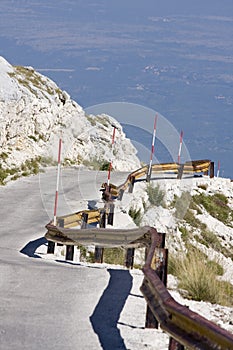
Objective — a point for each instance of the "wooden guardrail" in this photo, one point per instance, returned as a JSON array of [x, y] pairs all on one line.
[[84, 217], [184, 326], [190, 167], [103, 237]]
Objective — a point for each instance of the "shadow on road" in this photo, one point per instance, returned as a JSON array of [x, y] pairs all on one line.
[[107, 312], [32, 246]]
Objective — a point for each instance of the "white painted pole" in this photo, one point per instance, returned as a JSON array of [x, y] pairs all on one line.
[[57, 187], [180, 147], [218, 168], [110, 164], [152, 146]]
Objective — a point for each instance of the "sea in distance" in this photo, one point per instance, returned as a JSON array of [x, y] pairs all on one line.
[[171, 57]]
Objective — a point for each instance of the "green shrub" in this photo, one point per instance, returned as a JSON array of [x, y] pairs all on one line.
[[96, 164], [104, 166], [155, 195], [191, 219], [203, 186], [3, 175], [4, 156], [85, 255], [46, 161], [211, 240], [184, 234], [32, 137], [136, 215], [114, 256]]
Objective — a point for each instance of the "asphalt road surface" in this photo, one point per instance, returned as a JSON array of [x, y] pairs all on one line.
[[46, 304]]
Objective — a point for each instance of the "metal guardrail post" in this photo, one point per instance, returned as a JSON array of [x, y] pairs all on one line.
[[131, 184], [99, 252]]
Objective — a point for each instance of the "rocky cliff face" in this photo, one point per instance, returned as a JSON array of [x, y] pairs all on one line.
[[35, 113]]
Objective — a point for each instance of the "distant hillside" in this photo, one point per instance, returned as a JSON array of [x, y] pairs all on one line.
[[34, 113]]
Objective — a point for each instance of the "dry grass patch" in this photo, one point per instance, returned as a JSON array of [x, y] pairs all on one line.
[[198, 278]]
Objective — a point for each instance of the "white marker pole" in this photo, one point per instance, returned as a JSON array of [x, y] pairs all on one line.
[[218, 168], [152, 149], [110, 164], [181, 141], [58, 177]]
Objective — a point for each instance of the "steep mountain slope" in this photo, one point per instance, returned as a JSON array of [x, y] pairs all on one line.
[[34, 113], [194, 212]]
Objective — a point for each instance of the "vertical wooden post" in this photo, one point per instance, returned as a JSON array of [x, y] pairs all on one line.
[[69, 248], [161, 270], [180, 171], [120, 196], [99, 252], [148, 175], [131, 184], [111, 214], [211, 170], [84, 220], [60, 224], [129, 257], [102, 222], [70, 252], [51, 247]]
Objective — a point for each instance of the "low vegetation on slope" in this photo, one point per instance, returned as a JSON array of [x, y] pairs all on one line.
[[217, 206], [198, 278], [33, 81], [195, 242]]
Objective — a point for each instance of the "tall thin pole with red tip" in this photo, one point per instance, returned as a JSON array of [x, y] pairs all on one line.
[[58, 178], [152, 150], [180, 147], [110, 164]]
